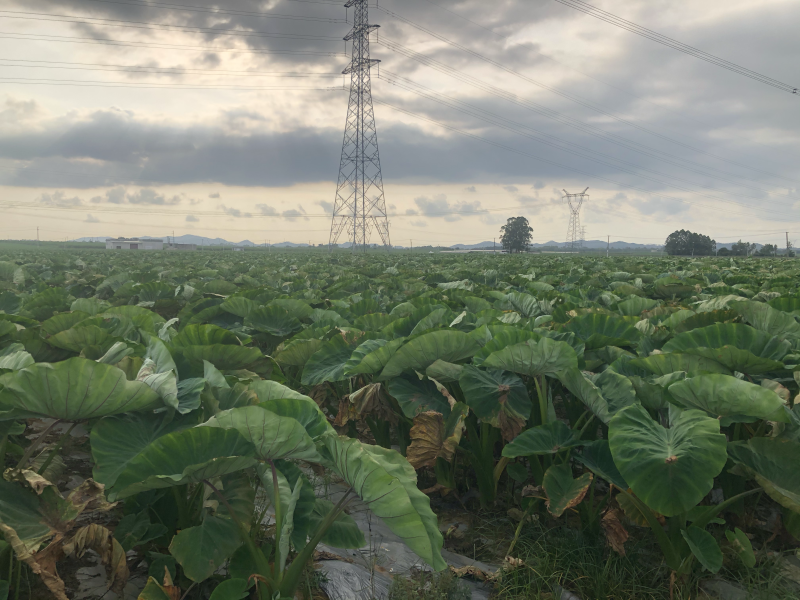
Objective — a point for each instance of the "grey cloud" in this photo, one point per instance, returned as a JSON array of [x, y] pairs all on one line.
[[327, 206], [511, 188], [438, 206], [293, 215], [411, 212], [234, 212], [59, 198], [471, 189], [215, 195], [144, 196], [267, 210], [419, 223], [91, 219], [192, 219], [538, 185]]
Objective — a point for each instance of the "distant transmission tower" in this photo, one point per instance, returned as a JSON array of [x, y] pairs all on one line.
[[574, 230], [360, 204], [583, 236]]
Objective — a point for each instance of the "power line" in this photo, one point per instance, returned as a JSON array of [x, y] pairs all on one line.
[[674, 44], [28, 64], [157, 45], [595, 78], [151, 26], [545, 160], [552, 89], [156, 86], [518, 129], [557, 116], [216, 11]]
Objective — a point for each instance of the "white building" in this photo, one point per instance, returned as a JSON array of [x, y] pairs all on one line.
[[133, 244]]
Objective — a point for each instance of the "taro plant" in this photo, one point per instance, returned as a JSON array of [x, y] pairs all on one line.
[[265, 441]]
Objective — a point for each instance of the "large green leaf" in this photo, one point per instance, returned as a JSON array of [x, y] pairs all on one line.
[[115, 441], [204, 335], [704, 547], [303, 410], [297, 353], [327, 364], [725, 396], [273, 436], [362, 360], [596, 456], [670, 470], [497, 397], [736, 346], [421, 352], [143, 318], [202, 549], [273, 320], [187, 456], [544, 439], [92, 341], [663, 364], [507, 336], [272, 390], [344, 533], [772, 462], [767, 319], [534, 358], [564, 492], [63, 321], [388, 485], [587, 392], [296, 308], [415, 396], [598, 330], [223, 356], [74, 390], [19, 509]]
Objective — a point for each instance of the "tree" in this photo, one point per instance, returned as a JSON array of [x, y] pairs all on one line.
[[741, 248], [688, 243], [768, 250], [516, 234]]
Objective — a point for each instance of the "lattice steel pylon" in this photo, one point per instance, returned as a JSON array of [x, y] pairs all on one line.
[[360, 204], [575, 202]]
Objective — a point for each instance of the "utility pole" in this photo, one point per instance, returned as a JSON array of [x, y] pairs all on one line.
[[360, 204], [608, 246], [788, 246], [494, 245]]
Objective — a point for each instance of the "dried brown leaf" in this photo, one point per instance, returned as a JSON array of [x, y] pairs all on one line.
[[616, 534], [427, 439]]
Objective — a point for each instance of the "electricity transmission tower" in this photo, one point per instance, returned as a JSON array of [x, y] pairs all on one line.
[[360, 204], [575, 202]]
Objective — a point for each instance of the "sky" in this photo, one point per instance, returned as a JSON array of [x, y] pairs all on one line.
[[225, 119]]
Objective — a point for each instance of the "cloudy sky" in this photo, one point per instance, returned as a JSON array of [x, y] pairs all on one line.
[[144, 117]]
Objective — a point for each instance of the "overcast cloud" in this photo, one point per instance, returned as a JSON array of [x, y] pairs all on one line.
[[547, 99]]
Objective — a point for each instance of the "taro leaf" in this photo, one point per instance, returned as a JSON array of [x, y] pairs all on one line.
[[564, 492], [765, 318], [387, 483], [525, 304], [772, 462], [741, 543], [296, 308], [704, 319], [182, 457], [136, 529], [415, 396], [189, 391], [439, 317], [204, 335], [598, 330], [724, 396], [16, 360], [19, 509], [587, 392], [328, 363], [356, 364], [343, 533], [670, 470], [63, 321], [636, 306], [596, 456], [421, 352], [202, 549], [273, 320], [223, 356], [143, 318], [430, 438], [239, 306], [508, 336], [518, 472], [74, 390], [230, 589], [116, 353], [704, 547], [497, 397], [444, 371], [272, 390], [663, 364], [543, 439], [534, 358], [92, 341], [617, 390], [297, 353], [273, 436], [115, 441], [369, 401]]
